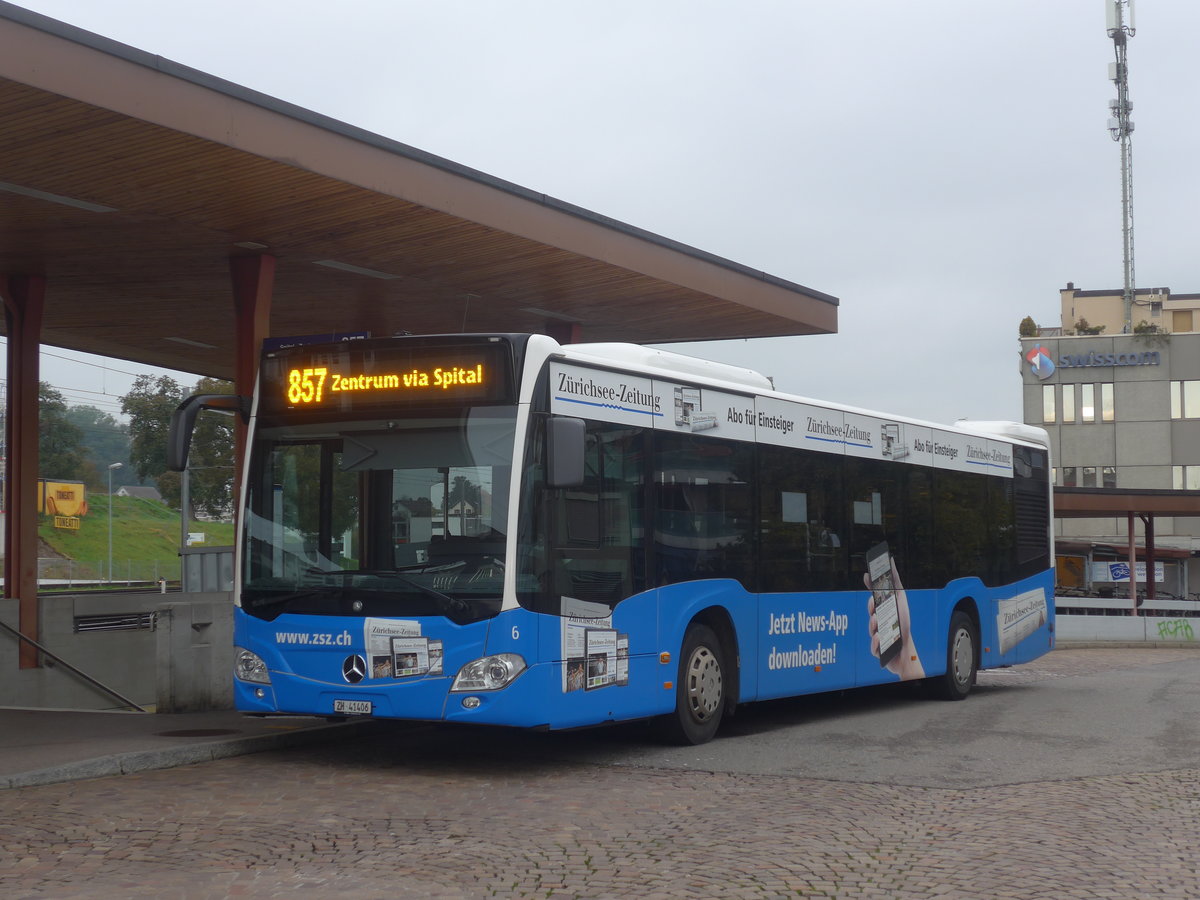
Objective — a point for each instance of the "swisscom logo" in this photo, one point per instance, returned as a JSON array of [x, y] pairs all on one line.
[[1040, 362]]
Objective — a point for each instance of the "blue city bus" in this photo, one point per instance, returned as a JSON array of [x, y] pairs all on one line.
[[499, 529]]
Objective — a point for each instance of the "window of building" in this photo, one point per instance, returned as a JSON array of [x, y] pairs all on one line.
[[1185, 478], [1107, 410], [1089, 476], [1068, 403], [1068, 473], [1087, 403], [1108, 475], [1049, 407], [1185, 399]]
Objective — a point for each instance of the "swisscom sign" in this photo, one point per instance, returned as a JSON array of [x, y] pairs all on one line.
[[1043, 366]]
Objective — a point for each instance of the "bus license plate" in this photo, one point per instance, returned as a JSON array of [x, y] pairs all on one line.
[[352, 707]]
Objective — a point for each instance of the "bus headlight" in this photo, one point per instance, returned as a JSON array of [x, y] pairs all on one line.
[[248, 666], [491, 673]]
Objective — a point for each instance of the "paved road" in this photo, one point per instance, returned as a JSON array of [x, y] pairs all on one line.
[[1075, 777]]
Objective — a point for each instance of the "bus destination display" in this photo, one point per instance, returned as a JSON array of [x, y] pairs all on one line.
[[308, 385], [347, 377]]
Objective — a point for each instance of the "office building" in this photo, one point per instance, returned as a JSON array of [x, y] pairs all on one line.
[[1123, 414]]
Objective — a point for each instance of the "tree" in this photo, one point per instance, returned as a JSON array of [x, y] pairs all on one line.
[[105, 441], [421, 507], [149, 405], [1028, 327], [60, 442], [210, 463], [464, 495], [463, 504], [1082, 327]]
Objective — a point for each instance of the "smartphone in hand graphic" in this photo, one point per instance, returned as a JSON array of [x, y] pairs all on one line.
[[887, 610]]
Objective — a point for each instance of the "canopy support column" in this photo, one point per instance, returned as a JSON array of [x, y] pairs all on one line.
[[563, 332], [253, 279], [1148, 523], [24, 301], [1133, 602]]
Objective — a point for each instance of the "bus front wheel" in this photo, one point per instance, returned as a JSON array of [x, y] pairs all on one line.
[[962, 659], [700, 690]]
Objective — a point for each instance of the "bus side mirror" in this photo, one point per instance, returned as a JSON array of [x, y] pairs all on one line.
[[565, 451], [183, 422]]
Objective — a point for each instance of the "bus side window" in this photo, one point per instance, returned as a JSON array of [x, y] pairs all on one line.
[[915, 554], [1002, 532], [803, 532], [597, 549], [960, 518], [1031, 512], [873, 492], [703, 526]]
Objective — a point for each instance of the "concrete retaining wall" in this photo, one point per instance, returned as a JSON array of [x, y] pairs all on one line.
[[1128, 629], [195, 653], [184, 663]]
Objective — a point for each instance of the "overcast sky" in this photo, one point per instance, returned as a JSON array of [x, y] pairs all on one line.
[[941, 166]]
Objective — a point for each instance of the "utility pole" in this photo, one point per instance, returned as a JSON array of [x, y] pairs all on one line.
[[1120, 127]]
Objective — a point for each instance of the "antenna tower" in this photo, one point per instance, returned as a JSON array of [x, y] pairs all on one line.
[[1120, 127]]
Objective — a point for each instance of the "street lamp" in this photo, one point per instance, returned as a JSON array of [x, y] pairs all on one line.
[[113, 466]]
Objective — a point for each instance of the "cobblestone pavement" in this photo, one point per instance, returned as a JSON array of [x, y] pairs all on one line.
[[1091, 661], [450, 813]]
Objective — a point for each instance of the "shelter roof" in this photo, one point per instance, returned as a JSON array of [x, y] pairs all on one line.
[[129, 181], [1087, 503], [1114, 548]]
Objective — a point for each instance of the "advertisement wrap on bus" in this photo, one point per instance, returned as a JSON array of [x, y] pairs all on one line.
[[497, 529]]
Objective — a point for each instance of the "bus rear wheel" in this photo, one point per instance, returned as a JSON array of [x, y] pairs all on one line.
[[962, 660], [699, 691]]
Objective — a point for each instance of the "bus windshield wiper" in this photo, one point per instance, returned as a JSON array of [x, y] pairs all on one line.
[[451, 607], [263, 602], [383, 573]]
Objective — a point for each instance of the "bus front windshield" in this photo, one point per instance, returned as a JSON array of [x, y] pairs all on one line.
[[402, 517]]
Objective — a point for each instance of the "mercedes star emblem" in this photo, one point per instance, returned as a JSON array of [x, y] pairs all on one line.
[[354, 669]]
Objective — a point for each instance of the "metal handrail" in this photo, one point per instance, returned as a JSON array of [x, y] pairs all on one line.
[[62, 662]]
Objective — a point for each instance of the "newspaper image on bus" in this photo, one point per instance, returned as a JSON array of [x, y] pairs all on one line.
[[378, 636], [1020, 617], [594, 654], [416, 656]]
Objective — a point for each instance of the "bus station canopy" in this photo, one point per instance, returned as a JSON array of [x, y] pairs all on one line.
[[127, 182], [1089, 503], [1130, 504], [154, 213]]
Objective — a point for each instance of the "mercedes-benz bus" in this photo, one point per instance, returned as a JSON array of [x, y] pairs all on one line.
[[499, 529]]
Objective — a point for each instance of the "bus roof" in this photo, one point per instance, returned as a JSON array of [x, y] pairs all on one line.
[[649, 360]]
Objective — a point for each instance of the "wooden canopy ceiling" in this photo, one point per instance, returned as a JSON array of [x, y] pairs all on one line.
[[128, 181]]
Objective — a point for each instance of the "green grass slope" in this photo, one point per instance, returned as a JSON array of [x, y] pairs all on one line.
[[145, 535]]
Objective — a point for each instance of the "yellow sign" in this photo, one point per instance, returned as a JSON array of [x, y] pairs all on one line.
[[70, 522], [62, 498]]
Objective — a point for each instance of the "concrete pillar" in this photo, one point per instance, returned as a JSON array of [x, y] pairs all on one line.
[[24, 302], [194, 653], [253, 281], [563, 332]]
